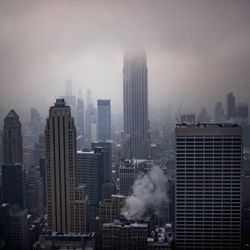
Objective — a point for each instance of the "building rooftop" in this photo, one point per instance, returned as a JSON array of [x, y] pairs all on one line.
[[12, 114], [206, 125], [69, 236], [120, 224], [60, 102]]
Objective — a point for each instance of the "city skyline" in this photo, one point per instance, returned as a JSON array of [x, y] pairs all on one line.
[[190, 46], [124, 124]]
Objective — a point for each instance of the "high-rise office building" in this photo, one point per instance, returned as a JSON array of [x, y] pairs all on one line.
[[242, 113], [107, 157], [18, 229], [12, 139], [127, 176], [90, 124], [14, 227], [81, 209], [231, 112], [208, 186], [35, 123], [203, 116], [110, 209], [60, 167], [103, 120], [89, 171], [135, 104], [80, 123], [69, 98], [34, 192], [13, 180], [1, 148]]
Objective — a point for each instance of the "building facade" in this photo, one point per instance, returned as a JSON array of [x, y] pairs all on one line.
[[89, 172], [13, 181], [208, 186], [110, 209], [107, 157], [103, 120], [60, 133], [135, 104], [127, 176], [231, 108], [121, 236]]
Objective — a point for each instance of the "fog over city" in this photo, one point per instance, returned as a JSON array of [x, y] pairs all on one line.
[[197, 51]]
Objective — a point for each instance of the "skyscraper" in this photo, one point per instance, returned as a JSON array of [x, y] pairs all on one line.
[[69, 98], [135, 104], [231, 106], [89, 171], [242, 113], [80, 122], [219, 112], [107, 157], [110, 209], [127, 176], [13, 175], [103, 120], [13, 178], [208, 186], [12, 139], [60, 133], [35, 123]]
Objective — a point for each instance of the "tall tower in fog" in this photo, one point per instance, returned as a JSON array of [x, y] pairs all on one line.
[[135, 104], [231, 106], [60, 135], [12, 139], [103, 120]]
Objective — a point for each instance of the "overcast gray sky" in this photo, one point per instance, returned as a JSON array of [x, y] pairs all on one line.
[[197, 50]]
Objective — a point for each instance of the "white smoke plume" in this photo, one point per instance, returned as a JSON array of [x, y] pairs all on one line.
[[149, 194]]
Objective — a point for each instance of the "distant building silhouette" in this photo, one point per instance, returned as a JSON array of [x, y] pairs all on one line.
[[103, 120], [135, 104], [35, 123], [80, 123], [231, 112], [219, 115], [90, 124], [242, 113], [203, 116], [188, 118]]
